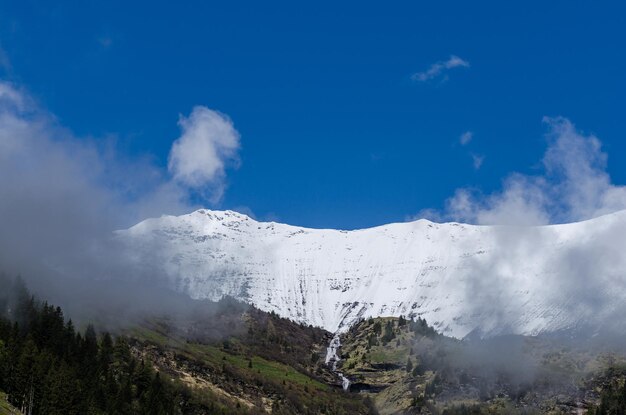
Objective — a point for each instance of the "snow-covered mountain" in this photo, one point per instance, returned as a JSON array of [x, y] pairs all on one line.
[[459, 277]]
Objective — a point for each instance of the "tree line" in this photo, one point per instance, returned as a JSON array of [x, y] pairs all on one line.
[[49, 367]]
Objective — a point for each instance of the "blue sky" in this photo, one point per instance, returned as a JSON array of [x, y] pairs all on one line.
[[336, 129]]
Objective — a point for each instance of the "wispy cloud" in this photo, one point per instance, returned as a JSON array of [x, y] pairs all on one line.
[[440, 68], [62, 197], [477, 161], [87, 187], [573, 186], [41, 159], [466, 137]]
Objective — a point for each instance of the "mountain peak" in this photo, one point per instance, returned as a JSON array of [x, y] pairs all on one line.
[[222, 214]]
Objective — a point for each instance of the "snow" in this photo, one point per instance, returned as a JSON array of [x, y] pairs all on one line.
[[458, 277]]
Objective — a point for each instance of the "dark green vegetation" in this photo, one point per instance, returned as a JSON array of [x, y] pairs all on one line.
[[47, 367], [613, 398], [164, 366]]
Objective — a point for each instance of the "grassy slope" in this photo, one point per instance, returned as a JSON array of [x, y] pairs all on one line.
[[5, 407], [256, 371]]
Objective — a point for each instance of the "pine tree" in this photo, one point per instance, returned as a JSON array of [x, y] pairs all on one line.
[[156, 398], [23, 394]]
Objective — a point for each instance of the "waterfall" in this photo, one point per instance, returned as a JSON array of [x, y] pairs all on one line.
[[332, 358]]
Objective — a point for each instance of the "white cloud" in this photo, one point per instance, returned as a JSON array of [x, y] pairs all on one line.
[[12, 99], [61, 199], [439, 68], [43, 161], [574, 186], [477, 161], [207, 145], [522, 202], [466, 137], [577, 165], [61, 195]]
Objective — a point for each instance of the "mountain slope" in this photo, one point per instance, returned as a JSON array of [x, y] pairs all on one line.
[[460, 278], [272, 365]]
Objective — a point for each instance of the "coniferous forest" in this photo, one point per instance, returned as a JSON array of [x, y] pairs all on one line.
[[49, 367]]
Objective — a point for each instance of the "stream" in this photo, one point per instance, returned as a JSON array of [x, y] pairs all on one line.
[[332, 358]]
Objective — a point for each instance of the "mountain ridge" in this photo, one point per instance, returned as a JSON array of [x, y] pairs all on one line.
[[460, 277]]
